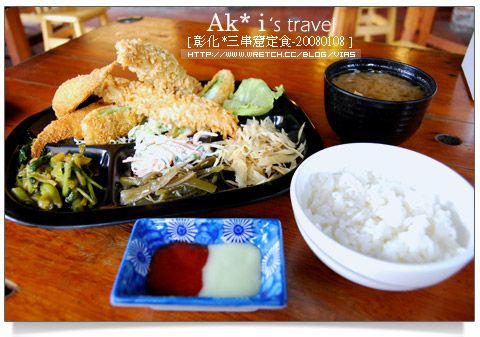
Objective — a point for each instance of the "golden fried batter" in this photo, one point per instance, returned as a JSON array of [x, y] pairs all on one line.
[[73, 92], [155, 66], [108, 123], [164, 91], [192, 111], [120, 91], [60, 129], [220, 87]]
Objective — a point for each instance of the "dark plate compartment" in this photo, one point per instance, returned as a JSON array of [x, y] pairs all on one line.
[[286, 114]]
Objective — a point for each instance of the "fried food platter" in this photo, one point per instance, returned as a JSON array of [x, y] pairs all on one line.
[[111, 150], [285, 114]]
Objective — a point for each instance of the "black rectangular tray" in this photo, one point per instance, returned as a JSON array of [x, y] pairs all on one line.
[[286, 114]]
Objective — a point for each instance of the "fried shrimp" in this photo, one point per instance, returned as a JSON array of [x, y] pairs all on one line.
[[220, 87], [73, 92], [155, 66], [60, 129], [108, 123]]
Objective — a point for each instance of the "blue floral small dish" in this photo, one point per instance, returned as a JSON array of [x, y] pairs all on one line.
[[148, 235]]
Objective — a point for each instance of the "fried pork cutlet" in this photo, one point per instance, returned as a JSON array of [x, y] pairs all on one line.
[[108, 123], [63, 128], [220, 87], [73, 92], [155, 66]]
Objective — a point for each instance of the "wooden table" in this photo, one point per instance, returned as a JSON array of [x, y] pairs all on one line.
[[68, 274]]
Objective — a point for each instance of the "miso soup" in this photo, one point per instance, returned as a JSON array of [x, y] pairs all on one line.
[[379, 85]]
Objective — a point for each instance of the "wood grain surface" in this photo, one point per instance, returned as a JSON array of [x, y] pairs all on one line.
[[68, 274]]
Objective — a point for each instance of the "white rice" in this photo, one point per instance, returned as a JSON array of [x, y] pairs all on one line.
[[382, 218]]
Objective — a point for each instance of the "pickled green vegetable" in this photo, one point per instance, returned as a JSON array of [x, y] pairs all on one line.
[[21, 195], [92, 193], [23, 153], [81, 179], [67, 170], [52, 193], [173, 184], [85, 195], [136, 193], [201, 185], [57, 181], [35, 164]]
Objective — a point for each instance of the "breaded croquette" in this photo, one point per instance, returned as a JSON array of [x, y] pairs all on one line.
[[108, 123], [155, 66], [72, 93], [63, 128], [220, 87]]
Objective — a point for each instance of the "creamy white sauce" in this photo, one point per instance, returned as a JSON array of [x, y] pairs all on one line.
[[232, 270]]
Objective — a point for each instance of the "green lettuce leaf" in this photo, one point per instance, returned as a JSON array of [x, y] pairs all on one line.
[[253, 98]]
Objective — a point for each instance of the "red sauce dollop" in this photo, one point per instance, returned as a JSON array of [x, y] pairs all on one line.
[[176, 270]]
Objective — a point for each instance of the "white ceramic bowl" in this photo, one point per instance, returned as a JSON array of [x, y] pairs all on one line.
[[414, 170]]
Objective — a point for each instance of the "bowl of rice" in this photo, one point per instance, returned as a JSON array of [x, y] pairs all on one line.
[[384, 217]]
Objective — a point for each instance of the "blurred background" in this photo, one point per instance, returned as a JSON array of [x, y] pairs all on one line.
[[31, 31]]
